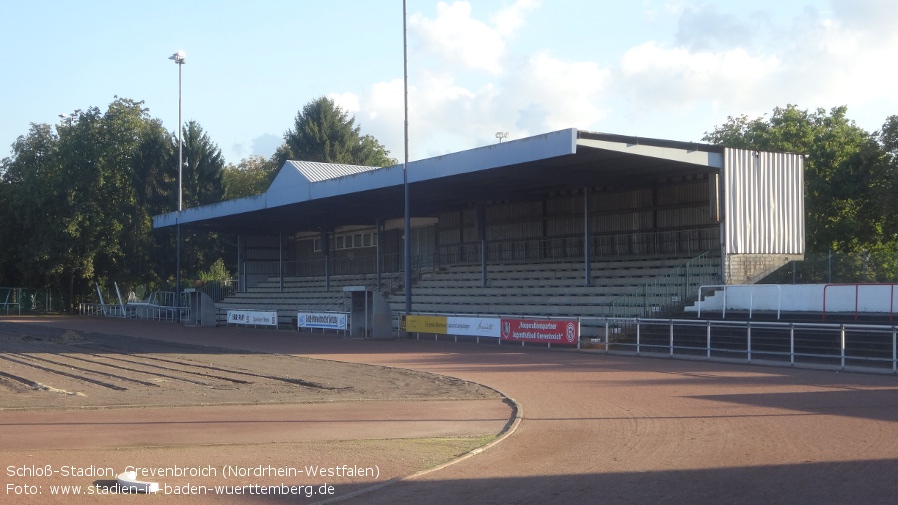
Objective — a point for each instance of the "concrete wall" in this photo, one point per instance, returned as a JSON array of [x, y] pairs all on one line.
[[751, 268], [874, 298]]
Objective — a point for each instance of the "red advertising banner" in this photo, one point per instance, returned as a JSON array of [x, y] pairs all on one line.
[[554, 331]]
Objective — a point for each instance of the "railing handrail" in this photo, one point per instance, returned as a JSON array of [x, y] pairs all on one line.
[[597, 242], [671, 273], [857, 286], [796, 352]]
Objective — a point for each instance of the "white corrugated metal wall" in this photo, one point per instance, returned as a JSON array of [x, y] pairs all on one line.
[[764, 202]]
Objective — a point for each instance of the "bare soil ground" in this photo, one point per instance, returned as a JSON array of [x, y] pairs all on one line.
[[52, 368], [78, 407]]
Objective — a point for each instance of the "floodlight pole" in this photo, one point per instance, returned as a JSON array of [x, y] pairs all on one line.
[[407, 252], [179, 60]]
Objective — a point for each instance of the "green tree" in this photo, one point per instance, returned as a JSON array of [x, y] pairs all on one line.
[[217, 272], [203, 166], [324, 132], [78, 200], [202, 175], [139, 153], [843, 165], [26, 177], [65, 186], [251, 176], [886, 189]]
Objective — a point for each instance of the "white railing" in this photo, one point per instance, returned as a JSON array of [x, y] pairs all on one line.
[[807, 344]]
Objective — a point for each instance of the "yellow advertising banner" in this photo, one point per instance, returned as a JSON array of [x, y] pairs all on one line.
[[425, 324]]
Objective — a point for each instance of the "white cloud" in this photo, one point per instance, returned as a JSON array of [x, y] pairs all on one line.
[[655, 76], [843, 61], [455, 38], [817, 60], [349, 102], [508, 20], [471, 80], [569, 94], [453, 105], [382, 115], [706, 28]]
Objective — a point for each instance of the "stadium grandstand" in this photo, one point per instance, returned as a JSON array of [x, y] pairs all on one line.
[[568, 223]]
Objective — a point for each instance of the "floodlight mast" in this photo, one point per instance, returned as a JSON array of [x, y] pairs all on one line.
[[179, 59], [407, 255]]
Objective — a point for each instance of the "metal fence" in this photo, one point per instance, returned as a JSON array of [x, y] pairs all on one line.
[[218, 290], [31, 301], [355, 265], [831, 267], [839, 346], [670, 291], [616, 245], [858, 347]]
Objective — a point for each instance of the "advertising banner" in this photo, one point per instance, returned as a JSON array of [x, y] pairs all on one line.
[[554, 331], [473, 326], [324, 320], [425, 324], [253, 317]]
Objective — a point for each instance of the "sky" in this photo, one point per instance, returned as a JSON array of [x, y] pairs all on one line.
[[669, 69]]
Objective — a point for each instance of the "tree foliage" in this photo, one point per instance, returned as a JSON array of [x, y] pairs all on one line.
[[74, 194], [251, 176], [850, 174], [80, 197], [324, 132], [203, 166]]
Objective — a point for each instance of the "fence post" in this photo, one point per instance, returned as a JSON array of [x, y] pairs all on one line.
[[791, 344], [894, 349], [645, 299], [607, 334], [637, 336], [748, 335], [671, 338], [842, 331], [709, 339]]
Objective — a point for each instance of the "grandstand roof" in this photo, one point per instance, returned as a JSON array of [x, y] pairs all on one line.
[[309, 196]]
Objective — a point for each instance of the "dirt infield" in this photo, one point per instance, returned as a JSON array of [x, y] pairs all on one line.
[[595, 428], [80, 406], [51, 368]]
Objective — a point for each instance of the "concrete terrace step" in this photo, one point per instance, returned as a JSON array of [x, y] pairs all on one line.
[[522, 310], [535, 289], [474, 299], [579, 291]]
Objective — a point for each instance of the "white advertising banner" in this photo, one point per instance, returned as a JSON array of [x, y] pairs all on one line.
[[473, 326], [253, 317], [325, 320]]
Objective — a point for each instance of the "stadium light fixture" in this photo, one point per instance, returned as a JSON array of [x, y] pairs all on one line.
[[501, 135]]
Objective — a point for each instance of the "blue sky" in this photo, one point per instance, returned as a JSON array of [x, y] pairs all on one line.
[[653, 68]]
